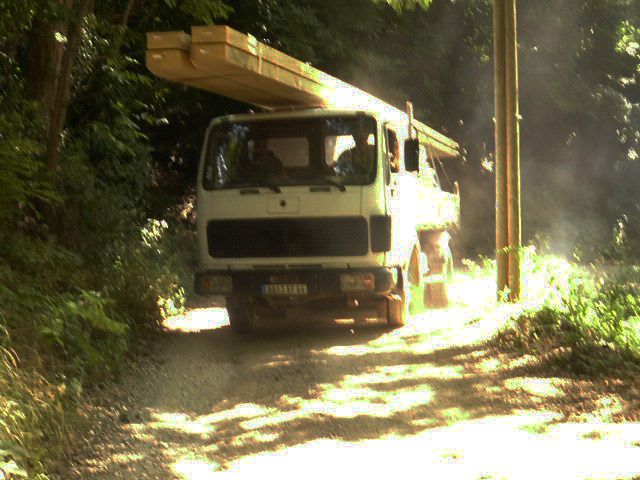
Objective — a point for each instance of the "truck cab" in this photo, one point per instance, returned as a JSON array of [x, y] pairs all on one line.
[[320, 209]]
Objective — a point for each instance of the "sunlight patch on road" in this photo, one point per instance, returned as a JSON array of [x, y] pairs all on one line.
[[278, 361], [343, 401], [539, 387], [198, 320], [454, 415], [403, 373], [253, 437], [490, 365], [125, 458], [491, 447], [433, 330], [181, 422], [467, 290], [383, 392], [380, 393], [608, 406], [203, 425], [522, 361], [193, 468], [358, 396]]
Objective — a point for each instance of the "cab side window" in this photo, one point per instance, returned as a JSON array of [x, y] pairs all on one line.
[[393, 151]]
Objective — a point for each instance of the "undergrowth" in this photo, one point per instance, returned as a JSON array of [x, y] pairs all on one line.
[[33, 418], [589, 324], [67, 323]]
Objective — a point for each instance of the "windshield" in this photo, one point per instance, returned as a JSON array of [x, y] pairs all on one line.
[[319, 151]]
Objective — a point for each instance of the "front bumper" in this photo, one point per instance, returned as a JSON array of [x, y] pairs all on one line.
[[319, 283]]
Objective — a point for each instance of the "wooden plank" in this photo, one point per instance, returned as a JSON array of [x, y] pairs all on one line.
[[221, 60], [172, 64], [224, 35], [161, 40], [261, 72]]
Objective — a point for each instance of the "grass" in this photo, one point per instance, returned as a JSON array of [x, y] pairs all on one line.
[[588, 323], [33, 416]]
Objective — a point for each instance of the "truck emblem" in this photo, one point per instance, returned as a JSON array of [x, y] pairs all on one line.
[[283, 203]]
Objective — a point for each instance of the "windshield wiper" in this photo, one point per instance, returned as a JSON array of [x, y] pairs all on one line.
[[334, 183], [275, 188]]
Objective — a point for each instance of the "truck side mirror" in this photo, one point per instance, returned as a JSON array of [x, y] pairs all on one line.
[[412, 155]]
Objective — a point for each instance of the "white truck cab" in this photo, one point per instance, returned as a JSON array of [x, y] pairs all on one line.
[[318, 208]]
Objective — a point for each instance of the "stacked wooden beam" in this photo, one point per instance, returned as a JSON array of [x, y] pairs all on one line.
[[221, 60]]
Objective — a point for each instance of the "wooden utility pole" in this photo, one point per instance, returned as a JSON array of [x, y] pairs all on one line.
[[499, 67], [507, 138]]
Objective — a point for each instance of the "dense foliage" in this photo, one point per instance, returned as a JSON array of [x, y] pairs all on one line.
[[97, 157], [592, 327]]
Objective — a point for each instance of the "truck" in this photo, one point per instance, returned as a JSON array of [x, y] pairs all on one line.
[[328, 200]]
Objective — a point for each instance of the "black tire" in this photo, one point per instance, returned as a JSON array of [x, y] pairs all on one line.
[[398, 308], [240, 312], [397, 312]]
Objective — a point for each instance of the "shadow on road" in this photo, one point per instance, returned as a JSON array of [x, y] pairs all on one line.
[[211, 400]]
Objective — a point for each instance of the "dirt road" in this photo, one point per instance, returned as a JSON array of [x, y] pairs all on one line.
[[430, 400]]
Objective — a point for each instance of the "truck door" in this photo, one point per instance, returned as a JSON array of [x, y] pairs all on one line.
[[391, 168], [402, 231]]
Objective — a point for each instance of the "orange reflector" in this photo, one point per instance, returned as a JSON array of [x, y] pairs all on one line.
[[357, 282]]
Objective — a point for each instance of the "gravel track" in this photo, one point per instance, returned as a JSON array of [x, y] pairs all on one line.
[[430, 399]]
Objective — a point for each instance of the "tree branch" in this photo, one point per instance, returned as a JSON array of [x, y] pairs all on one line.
[[63, 90], [127, 13]]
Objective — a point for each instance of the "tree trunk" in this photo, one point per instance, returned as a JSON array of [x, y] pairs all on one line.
[[45, 58], [63, 88], [127, 13]]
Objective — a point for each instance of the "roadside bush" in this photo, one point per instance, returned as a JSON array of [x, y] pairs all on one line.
[[85, 331], [66, 323], [596, 325], [147, 276]]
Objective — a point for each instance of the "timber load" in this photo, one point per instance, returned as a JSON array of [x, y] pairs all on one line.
[[221, 60]]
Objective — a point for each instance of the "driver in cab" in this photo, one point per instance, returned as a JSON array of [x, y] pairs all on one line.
[[357, 162], [266, 165]]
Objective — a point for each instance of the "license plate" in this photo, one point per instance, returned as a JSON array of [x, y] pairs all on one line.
[[286, 289]]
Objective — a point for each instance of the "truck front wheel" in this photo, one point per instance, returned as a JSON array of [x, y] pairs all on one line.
[[397, 312], [398, 307]]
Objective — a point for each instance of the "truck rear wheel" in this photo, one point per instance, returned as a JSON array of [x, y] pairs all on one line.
[[240, 312]]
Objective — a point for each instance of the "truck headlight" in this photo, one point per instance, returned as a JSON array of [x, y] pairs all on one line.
[[357, 282], [213, 284]]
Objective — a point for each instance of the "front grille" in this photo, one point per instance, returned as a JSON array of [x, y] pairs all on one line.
[[288, 237]]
